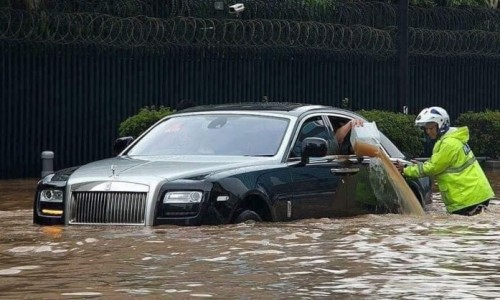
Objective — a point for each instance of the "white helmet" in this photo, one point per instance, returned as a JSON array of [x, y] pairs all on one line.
[[434, 114]]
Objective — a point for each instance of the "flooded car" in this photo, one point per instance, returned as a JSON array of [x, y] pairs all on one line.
[[222, 164]]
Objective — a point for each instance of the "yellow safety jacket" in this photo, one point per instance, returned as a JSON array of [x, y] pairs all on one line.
[[460, 178]]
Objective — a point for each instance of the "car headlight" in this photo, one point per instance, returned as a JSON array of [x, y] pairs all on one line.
[[51, 195], [183, 197]]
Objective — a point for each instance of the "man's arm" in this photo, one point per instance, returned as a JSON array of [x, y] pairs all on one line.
[[341, 133], [439, 161]]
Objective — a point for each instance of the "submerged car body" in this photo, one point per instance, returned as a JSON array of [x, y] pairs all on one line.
[[222, 164]]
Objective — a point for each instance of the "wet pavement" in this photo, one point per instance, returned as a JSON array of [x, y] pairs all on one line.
[[372, 256]]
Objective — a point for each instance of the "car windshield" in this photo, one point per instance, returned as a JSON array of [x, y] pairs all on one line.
[[222, 134]]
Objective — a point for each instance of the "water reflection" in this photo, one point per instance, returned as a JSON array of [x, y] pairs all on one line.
[[373, 256]]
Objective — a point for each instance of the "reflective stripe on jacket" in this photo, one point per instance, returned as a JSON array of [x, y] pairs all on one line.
[[460, 178]]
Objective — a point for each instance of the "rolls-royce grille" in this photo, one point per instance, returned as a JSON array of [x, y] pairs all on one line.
[[108, 208]]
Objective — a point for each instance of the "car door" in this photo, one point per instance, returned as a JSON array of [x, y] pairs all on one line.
[[357, 192], [363, 195], [316, 184]]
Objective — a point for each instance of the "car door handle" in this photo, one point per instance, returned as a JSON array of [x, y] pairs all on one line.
[[344, 171]]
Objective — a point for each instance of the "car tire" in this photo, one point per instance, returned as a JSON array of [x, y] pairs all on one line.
[[248, 215]]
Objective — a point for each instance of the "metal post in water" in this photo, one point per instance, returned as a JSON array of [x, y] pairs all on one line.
[[47, 163]]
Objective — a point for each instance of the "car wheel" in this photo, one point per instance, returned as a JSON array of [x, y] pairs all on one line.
[[248, 215]]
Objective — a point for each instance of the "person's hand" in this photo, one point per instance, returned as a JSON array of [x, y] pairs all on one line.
[[356, 123], [400, 166]]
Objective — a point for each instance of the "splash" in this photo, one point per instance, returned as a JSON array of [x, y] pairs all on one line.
[[388, 184]]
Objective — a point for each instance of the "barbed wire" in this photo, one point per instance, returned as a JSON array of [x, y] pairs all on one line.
[[381, 15], [376, 14], [257, 34], [468, 43], [105, 30]]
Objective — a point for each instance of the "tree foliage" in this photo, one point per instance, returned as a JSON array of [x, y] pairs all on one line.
[[140, 122], [484, 130], [400, 129]]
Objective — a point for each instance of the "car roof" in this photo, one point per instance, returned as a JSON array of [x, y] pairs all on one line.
[[285, 108], [289, 109]]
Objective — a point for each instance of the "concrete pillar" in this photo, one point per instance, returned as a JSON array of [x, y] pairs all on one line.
[[47, 163]]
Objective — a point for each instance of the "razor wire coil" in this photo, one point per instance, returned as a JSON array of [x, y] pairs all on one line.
[[279, 34]]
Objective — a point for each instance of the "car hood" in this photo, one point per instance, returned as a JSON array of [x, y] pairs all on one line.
[[169, 168]]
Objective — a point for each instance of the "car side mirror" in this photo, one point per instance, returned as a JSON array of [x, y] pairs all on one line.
[[121, 144], [313, 147]]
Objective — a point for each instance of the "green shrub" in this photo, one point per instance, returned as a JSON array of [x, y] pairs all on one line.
[[400, 129], [147, 116], [484, 130]]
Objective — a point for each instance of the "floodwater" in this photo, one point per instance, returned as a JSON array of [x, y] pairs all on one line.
[[372, 256]]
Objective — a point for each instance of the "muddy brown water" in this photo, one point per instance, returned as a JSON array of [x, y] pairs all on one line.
[[374, 256]]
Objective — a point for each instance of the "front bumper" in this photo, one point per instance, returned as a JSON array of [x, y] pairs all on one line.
[[90, 207]]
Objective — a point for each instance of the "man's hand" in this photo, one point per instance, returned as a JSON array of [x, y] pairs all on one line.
[[400, 166], [356, 122]]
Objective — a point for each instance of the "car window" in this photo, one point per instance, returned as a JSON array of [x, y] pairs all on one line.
[[345, 148], [239, 135], [313, 127]]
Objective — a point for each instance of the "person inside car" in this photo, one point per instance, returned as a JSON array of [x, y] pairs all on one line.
[[464, 188], [315, 127], [342, 135]]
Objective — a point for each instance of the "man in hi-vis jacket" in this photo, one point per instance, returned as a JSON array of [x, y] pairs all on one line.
[[464, 188]]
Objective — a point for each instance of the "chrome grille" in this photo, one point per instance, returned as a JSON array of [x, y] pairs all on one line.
[[125, 208]]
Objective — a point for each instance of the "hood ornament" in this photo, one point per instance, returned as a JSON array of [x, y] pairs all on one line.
[[113, 170]]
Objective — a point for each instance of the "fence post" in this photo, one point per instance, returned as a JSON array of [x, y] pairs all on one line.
[[402, 47], [47, 163]]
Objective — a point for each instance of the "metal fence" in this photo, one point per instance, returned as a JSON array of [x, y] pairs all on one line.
[[68, 79]]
